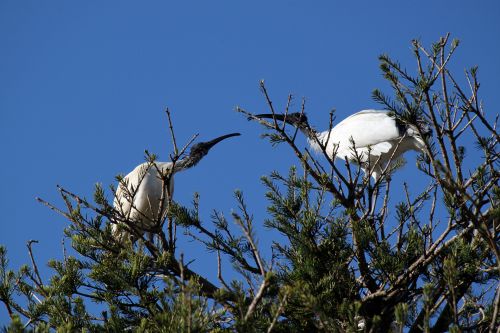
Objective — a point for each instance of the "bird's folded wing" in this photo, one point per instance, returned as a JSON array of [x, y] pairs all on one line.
[[374, 150]]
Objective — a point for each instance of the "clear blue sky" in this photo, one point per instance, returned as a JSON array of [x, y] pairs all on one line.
[[83, 86]]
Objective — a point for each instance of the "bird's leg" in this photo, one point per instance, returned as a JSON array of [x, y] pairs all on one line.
[[376, 174], [150, 236], [373, 201], [383, 211], [371, 196]]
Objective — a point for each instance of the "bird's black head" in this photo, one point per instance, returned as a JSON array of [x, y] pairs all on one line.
[[200, 149]]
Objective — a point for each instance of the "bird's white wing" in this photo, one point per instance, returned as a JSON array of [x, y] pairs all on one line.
[[123, 200], [128, 186], [138, 196], [376, 150], [368, 128], [142, 188]]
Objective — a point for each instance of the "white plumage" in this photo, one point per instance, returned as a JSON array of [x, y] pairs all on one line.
[[138, 196], [377, 136]]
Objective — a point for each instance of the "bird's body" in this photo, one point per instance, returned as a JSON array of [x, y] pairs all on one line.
[[138, 198], [371, 137], [377, 138]]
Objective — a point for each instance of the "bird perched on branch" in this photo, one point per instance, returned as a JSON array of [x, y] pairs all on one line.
[[142, 195], [373, 138]]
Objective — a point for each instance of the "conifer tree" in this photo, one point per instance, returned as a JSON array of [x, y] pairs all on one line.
[[432, 266]]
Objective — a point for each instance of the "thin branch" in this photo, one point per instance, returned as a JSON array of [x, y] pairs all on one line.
[[279, 311], [256, 299], [174, 143]]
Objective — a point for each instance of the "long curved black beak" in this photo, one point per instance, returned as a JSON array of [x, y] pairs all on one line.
[[276, 116], [211, 143], [291, 118]]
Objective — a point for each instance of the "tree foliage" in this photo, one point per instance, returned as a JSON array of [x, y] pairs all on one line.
[[340, 266]]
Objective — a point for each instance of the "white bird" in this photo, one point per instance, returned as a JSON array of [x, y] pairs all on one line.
[[378, 137], [138, 196]]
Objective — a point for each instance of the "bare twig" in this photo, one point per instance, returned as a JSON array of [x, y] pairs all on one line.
[[279, 311], [256, 299]]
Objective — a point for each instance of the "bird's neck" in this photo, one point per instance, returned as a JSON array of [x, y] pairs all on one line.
[[315, 139], [163, 166], [312, 136], [309, 132], [186, 163]]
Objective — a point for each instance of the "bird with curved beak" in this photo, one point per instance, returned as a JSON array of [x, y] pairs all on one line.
[[379, 138], [138, 197]]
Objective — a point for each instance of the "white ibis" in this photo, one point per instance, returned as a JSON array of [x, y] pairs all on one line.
[[139, 194], [378, 137]]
